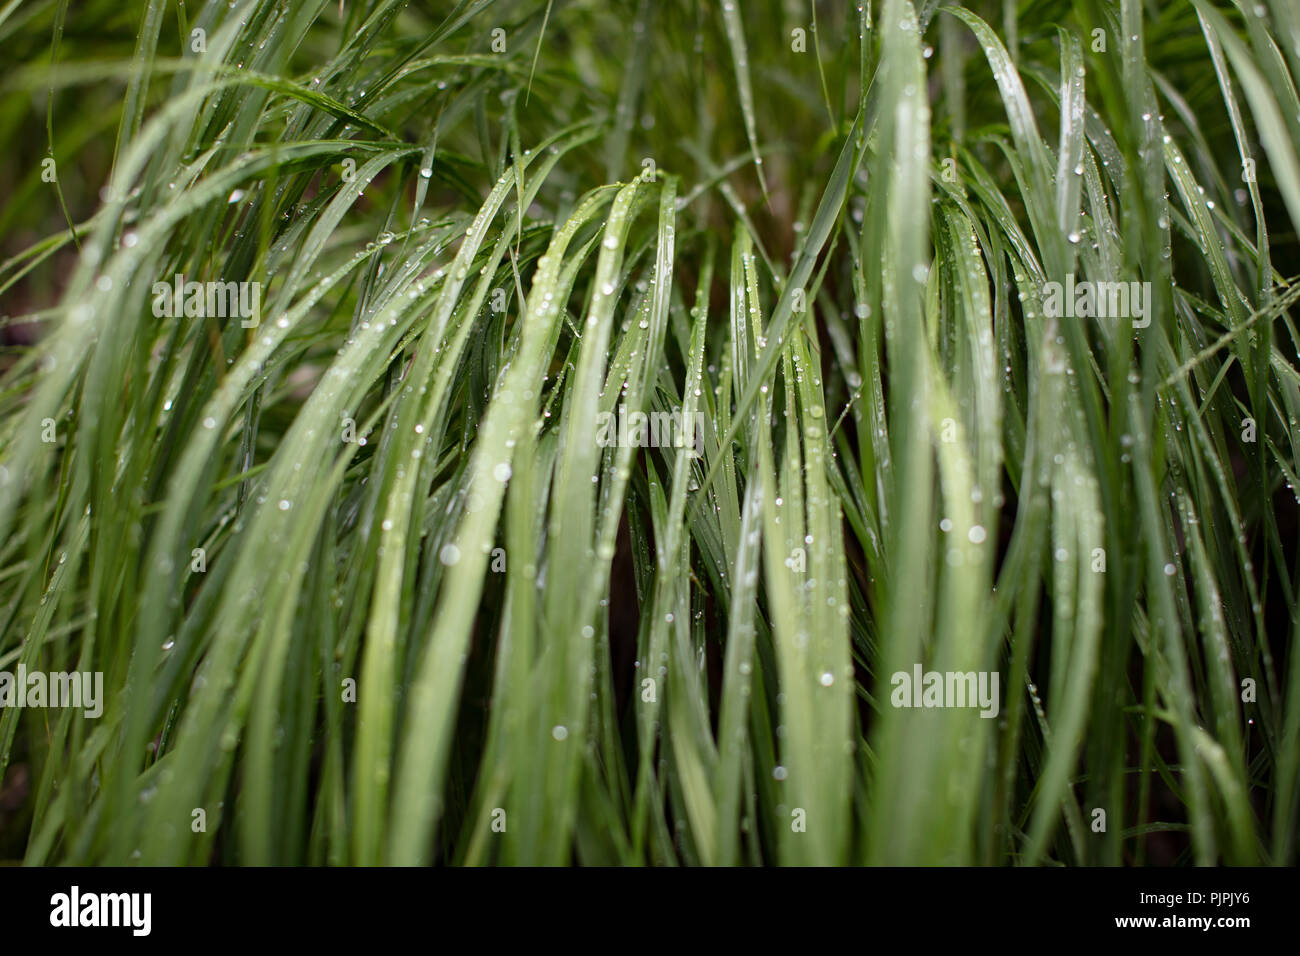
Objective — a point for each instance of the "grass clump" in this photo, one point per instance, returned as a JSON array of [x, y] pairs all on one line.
[[364, 581]]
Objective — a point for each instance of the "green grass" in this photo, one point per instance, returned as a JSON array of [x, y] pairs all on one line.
[[434, 619]]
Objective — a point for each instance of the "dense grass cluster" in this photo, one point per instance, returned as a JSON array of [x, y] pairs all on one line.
[[364, 582]]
